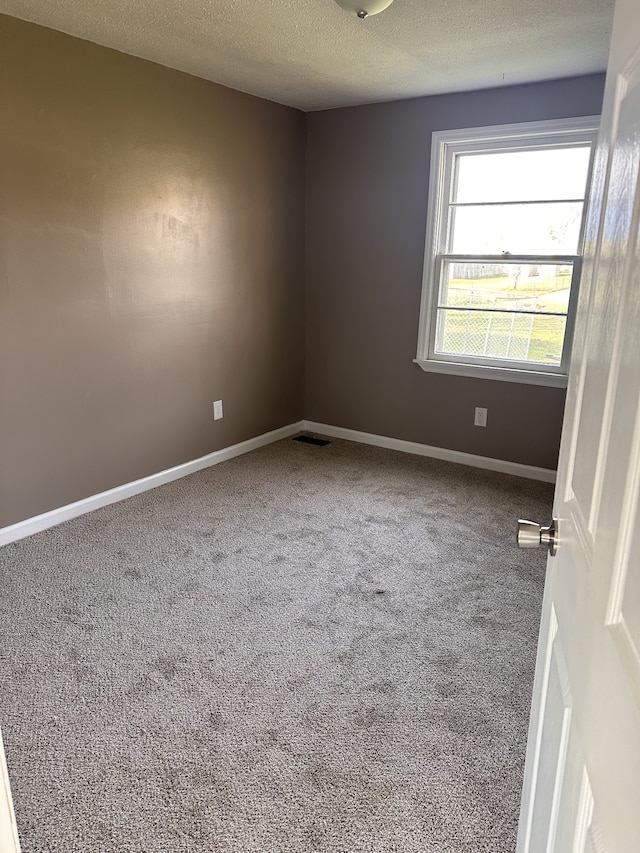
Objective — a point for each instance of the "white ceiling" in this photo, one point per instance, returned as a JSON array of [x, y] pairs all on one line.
[[311, 54]]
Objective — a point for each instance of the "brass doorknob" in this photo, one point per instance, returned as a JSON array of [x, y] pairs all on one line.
[[533, 535]]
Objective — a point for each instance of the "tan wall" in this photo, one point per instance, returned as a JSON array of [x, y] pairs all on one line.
[[367, 188], [151, 261]]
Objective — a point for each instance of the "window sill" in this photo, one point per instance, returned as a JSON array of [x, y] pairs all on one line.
[[503, 374]]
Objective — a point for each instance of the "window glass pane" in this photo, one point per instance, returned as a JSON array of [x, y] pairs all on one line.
[[515, 335], [520, 229], [532, 175], [508, 287]]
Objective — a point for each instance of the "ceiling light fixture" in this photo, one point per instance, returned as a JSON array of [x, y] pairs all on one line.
[[364, 8]]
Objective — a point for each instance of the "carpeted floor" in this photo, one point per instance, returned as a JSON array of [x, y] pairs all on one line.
[[303, 649]]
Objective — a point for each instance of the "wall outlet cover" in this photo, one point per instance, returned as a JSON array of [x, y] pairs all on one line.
[[480, 419], [217, 410]]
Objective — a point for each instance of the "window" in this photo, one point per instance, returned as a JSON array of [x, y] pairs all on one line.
[[504, 242]]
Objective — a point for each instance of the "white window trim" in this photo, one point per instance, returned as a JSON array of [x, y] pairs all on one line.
[[557, 131]]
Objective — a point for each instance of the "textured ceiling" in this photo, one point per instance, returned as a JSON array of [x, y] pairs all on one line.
[[311, 54]]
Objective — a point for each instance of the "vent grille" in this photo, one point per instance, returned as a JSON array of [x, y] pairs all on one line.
[[309, 439]]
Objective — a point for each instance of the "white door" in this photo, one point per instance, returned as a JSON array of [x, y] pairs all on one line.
[[582, 777], [8, 830]]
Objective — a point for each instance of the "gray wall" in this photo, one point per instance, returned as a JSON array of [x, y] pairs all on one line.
[[151, 261], [367, 187]]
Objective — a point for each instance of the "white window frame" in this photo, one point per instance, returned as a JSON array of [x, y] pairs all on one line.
[[445, 146]]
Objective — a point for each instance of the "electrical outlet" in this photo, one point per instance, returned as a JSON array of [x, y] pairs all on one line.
[[480, 417], [217, 410]]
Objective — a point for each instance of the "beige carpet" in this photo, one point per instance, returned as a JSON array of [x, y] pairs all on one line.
[[304, 649]]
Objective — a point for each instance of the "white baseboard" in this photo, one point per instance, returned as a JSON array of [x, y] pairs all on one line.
[[56, 516], [547, 475], [29, 526]]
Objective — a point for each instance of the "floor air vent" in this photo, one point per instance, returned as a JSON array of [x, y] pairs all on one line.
[[309, 439]]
